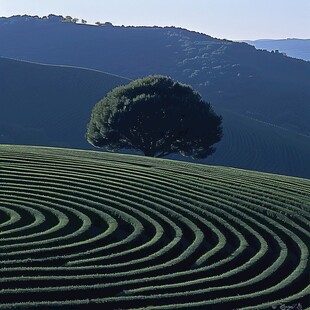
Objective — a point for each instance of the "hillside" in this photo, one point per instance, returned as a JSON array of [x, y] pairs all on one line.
[[50, 105], [235, 76], [86, 230], [253, 145], [297, 48]]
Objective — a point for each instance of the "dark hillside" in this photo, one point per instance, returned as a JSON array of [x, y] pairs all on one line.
[[267, 86], [50, 105], [254, 145]]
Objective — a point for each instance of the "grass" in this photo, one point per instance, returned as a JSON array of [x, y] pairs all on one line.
[[82, 229], [254, 145], [46, 104]]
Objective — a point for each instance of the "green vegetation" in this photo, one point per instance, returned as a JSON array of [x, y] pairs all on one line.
[[157, 116], [90, 230]]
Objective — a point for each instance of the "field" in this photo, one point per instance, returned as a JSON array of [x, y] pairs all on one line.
[[90, 230], [250, 144]]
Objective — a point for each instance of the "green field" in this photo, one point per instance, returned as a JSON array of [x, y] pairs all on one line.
[[250, 144], [90, 230]]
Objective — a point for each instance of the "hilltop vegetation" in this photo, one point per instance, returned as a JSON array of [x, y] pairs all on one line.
[[51, 105], [87, 230], [267, 86]]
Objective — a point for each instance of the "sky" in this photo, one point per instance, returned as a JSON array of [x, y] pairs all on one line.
[[225, 19]]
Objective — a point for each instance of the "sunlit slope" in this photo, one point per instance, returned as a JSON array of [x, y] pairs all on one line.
[[90, 230], [49, 105]]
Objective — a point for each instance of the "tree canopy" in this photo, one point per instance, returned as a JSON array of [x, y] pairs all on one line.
[[157, 116]]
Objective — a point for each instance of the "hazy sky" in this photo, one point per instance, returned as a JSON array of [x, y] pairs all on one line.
[[230, 19]]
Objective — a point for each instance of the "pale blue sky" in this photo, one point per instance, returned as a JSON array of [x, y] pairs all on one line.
[[230, 19]]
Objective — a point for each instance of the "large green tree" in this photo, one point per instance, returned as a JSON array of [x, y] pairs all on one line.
[[157, 116]]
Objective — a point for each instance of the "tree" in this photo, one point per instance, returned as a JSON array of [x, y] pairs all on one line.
[[157, 116], [68, 19]]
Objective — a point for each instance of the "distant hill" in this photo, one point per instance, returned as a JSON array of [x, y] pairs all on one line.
[[51, 105], [297, 48], [266, 86]]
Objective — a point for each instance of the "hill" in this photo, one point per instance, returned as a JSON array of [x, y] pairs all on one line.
[[83, 230], [254, 145], [297, 48], [51, 105], [266, 86]]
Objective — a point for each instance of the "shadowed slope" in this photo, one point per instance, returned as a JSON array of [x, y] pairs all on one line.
[[251, 144], [49, 105], [266, 86]]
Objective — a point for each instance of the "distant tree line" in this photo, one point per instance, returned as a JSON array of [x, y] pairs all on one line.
[[70, 19]]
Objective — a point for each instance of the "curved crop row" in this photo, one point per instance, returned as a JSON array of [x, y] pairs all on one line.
[[87, 229]]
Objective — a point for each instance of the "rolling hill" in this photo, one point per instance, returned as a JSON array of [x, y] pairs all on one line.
[[254, 145], [235, 76], [87, 230], [51, 105]]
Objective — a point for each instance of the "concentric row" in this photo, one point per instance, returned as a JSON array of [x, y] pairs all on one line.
[[82, 228]]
